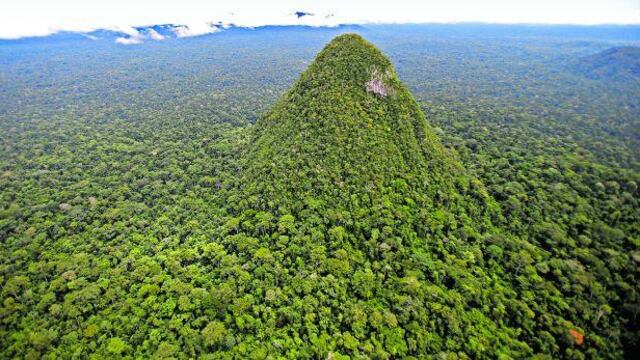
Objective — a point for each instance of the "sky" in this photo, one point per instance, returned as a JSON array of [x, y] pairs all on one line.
[[20, 18]]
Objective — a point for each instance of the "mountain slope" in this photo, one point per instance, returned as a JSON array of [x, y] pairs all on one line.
[[618, 62]]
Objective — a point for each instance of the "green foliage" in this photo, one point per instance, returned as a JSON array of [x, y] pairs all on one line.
[[143, 214], [116, 346], [214, 333]]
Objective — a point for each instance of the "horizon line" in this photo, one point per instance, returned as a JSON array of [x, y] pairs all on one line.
[[382, 23]]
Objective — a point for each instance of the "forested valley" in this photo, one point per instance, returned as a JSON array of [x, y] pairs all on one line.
[[433, 191]]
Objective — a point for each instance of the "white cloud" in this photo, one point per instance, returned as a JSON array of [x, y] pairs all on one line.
[[194, 29], [127, 30], [154, 35], [20, 18], [133, 35], [128, 41]]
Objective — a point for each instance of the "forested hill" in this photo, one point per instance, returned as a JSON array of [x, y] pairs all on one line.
[[348, 127]]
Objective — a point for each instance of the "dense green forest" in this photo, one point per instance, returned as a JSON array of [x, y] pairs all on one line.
[[274, 193]]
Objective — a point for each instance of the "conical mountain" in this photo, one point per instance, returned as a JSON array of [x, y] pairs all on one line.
[[360, 234], [347, 129]]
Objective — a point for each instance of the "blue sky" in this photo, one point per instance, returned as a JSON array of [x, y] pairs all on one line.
[[20, 18]]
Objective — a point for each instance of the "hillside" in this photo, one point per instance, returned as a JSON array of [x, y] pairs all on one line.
[[348, 127], [615, 62]]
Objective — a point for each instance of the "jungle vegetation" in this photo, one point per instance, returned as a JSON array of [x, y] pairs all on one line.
[[292, 193]]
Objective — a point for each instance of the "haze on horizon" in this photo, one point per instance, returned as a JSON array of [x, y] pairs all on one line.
[[41, 17]]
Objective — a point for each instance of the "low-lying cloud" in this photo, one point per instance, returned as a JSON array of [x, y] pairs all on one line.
[[135, 36], [154, 35], [194, 29], [128, 41]]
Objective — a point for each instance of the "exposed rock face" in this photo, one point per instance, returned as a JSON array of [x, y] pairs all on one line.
[[376, 85]]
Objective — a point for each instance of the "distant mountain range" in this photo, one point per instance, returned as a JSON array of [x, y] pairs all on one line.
[[131, 35], [160, 32]]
